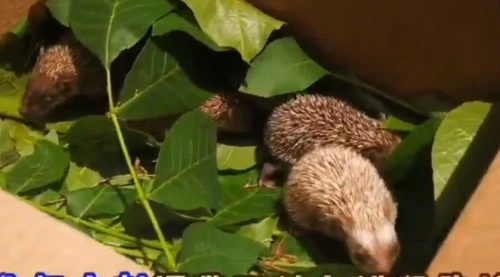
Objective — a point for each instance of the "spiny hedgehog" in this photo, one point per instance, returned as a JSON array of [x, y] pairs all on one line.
[[298, 126], [338, 192], [62, 71]]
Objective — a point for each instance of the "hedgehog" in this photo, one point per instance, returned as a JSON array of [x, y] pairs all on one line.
[[336, 191], [63, 71], [310, 120], [231, 113]]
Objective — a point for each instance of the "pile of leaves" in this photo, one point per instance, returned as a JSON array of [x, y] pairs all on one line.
[[198, 210]]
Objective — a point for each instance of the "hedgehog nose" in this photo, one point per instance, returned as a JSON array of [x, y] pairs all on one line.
[[382, 267], [29, 112]]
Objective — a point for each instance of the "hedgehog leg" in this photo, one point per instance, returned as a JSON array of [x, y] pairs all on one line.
[[267, 175]]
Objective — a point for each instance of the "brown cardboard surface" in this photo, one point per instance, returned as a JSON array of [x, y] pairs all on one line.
[[12, 11], [33, 241], [472, 247]]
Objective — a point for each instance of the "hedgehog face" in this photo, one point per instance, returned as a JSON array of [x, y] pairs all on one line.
[[43, 94], [374, 251]]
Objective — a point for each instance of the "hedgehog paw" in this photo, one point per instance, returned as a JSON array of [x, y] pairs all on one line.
[[266, 179], [268, 184]]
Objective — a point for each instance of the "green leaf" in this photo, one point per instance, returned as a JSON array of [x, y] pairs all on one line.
[[97, 130], [100, 201], [403, 156], [240, 204], [11, 93], [281, 68], [47, 196], [46, 165], [234, 23], [60, 10], [157, 86], [186, 173], [453, 137], [234, 157], [183, 20], [394, 123], [20, 28], [207, 249], [3, 181], [80, 177], [23, 137], [60, 127], [52, 137], [6, 143], [261, 231], [109, 27]]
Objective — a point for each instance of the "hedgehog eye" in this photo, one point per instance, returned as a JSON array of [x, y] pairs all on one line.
[[48, 98], [64, 87]]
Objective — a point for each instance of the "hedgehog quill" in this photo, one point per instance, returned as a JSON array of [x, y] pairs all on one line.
[[62, 71], [338, 192], [299, 125]]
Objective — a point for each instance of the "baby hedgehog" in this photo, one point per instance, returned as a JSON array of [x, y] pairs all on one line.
[[336, 191], [62, 71], [298, 126], [230, 112]]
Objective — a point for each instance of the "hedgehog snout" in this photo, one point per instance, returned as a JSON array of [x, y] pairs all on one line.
[[29, 110], [374, 251]]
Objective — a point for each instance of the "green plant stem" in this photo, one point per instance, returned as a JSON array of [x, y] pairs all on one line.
[[140, 193], [94, 226]]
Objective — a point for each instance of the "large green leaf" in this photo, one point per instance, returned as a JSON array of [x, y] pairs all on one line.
[[186, 173], [6, 143], [157, 86], [60, 10], [109, 27], [11, 93], [281, 68], [261, 231], [46, 165], [234, 157], [465, 143], [100, 201], [453, 137], [183, 20], [23, 137], [99, 130], [239, 204], [207, 249], [234, 23], [80, 177], [394, 123]]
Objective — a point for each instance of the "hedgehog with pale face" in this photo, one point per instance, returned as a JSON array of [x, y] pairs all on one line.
[[336, 191], [62, 71]]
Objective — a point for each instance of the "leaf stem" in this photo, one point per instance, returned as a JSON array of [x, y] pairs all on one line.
[[140, 193], [94, 226]]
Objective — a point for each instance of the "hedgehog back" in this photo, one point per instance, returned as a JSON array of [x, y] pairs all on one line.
[[335, 190], [311, 120]]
